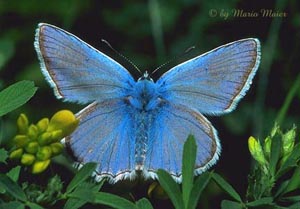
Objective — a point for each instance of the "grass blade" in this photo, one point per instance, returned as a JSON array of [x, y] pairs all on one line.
[[260, 202], [275, 154], [188, 166], [81, 176], [12, 188], [144, 204], [33, 205], [290, 162], [227, 204], [226, 187], [171, 188], [197, 189], [113, 201]]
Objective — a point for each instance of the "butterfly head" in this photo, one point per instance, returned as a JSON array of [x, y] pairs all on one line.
[[145, 76]]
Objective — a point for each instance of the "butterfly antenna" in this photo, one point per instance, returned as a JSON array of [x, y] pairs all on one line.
[[174, 58], [121, 55]]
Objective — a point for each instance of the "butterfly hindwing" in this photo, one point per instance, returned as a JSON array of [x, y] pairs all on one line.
[[168, 132], [214, 82], [105, 136], [77, 71]]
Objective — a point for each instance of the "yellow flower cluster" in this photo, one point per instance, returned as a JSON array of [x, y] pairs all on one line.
[[36, 144]]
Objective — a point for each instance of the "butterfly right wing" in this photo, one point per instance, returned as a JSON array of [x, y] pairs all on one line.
[[75, 70], [105, 135], [214, 82]]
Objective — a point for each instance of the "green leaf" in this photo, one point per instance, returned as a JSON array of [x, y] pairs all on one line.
[[227, 204], [74, 203], [171, 188], [281, 189], [14, 173], [260, 202], [290, 162], [79, 197], [12, 188], [144, 204], [275, 154], [294, 182], [12, 205], [83, 189], [113, 201], [188, 167], [16, 95], [226, 187], [81, 176], [294, 206], [33, 205], [292, 198], [197, 189], [3, 155]]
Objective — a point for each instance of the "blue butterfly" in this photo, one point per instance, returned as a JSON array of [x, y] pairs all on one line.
[[132, 128]]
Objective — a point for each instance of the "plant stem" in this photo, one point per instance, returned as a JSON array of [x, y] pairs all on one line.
[[292, 92], [157, 32]]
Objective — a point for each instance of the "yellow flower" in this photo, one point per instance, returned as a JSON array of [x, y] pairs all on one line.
[[32, 147], [36, 144], [22, 123], [33, 132], [44, 153], [63, 120], [40, 166], [44, 139], [27, 159], [42, 125], [56, 148], [16, 154], [21, 140]]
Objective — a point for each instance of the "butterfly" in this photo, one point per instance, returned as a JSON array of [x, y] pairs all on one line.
[[131, 127]]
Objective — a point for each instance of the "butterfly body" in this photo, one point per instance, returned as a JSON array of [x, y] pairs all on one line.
[[133, 127]]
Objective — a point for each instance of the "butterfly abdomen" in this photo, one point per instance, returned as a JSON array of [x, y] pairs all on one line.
[[145, 101]]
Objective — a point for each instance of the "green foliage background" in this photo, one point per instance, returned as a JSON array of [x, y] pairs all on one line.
[[152, 32]]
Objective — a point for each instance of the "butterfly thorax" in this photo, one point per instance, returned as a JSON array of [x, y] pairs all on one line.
[[145, 96]]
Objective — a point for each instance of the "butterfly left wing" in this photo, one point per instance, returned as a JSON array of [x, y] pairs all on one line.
[[167, 134], [105, 136], [214, 82], [75, 70]]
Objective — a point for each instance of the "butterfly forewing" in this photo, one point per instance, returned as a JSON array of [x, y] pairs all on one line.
[[77, 71], [214, 82]]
